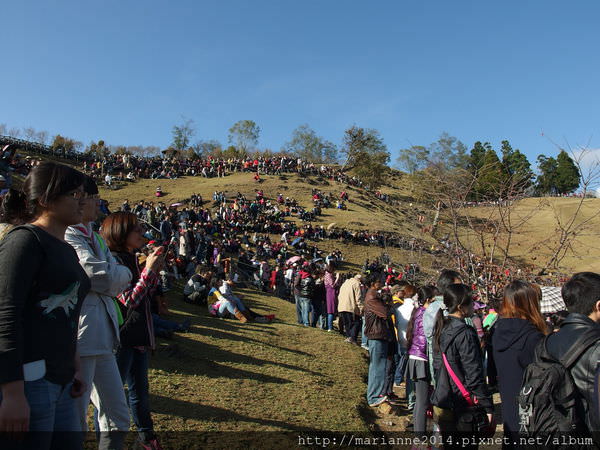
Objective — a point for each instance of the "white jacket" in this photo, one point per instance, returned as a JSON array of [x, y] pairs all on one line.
[[98, 321]]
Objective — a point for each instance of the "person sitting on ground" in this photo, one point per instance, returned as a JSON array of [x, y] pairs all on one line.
[[197, 287], [222, 303], [159, 192]]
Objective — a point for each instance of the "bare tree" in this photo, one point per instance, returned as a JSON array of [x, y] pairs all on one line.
[[3, 129], [570, 229], [41, 137], [29, 133], [14, 132]]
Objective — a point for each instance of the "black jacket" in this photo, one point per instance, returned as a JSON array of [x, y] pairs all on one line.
[[306, 286], [460, 343], [514, 342], [135, 331], [584, 370]]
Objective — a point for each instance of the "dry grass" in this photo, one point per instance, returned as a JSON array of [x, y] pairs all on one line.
[[533, 244], [229, 376]]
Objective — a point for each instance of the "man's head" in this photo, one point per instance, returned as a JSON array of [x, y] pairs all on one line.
[[582, 294], [446, 278]]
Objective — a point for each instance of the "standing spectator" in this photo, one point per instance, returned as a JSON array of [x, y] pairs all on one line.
[[418, 366], [446, 278], [318, 303], [350, 306], [165, 229], [517, 333], [332, 282], [305, 284], [379, 332], [582, 298], [98, 336], [459, 351], [124, 235], [42, 288]]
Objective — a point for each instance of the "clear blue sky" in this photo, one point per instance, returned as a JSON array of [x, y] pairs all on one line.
[[126, 71]]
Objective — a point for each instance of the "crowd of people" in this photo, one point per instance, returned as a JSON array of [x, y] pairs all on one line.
[[81, 307], [453, 352]]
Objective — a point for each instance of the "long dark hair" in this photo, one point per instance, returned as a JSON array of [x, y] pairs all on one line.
[[455, 297], [44, 184], [522, 301], [424, 293], [115, 229]]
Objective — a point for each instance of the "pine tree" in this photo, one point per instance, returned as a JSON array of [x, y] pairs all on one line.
[[490, 176], [547, 179], [516, 167], [567, 174], [477, 155]]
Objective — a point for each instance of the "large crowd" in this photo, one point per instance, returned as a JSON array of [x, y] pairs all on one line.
[[83, 299]]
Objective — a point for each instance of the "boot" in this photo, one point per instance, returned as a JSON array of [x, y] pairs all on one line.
[[240, 316]]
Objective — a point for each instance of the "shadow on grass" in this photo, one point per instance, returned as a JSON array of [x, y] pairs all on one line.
[[204, 358], [198, 411], [219, 334]]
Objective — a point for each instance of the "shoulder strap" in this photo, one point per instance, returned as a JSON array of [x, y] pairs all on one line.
[[31, 229], [458, 383], [578, 348], [581, 345]]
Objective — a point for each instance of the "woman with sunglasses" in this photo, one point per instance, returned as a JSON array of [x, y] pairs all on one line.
[[42, 287], [98, 336], [124, 235]]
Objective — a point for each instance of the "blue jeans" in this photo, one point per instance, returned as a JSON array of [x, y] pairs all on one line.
[[226, 305], [364, 341], [378, 360], [53, 419], [298, 309], [305, 309], [401, 358], [330, 321], [133, 367], [161, 324], [237, 302]]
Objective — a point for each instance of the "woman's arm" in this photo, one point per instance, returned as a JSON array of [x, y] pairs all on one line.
[[472, 364], [20, 259], [106, 275], [145, 286]]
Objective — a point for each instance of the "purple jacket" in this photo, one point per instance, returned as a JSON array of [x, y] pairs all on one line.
[[418, 346]]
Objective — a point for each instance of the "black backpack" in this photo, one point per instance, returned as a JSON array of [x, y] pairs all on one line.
[[548, 398]]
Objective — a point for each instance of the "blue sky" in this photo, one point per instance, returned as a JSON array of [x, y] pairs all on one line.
[[126, 71]]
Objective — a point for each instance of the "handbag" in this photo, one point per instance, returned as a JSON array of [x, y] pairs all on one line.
[[473, 419]]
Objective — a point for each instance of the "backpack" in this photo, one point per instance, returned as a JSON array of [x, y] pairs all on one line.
[[548, 397]]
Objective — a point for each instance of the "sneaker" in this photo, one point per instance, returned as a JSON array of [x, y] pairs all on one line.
[[382, 399]]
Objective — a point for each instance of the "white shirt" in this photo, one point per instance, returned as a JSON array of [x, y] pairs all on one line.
[[403, 314]]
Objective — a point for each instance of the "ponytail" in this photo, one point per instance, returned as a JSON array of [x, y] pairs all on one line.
[[455, 297], [440, 323], [13, 208]]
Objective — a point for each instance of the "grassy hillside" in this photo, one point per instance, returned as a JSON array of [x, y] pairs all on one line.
[[536, 240]]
